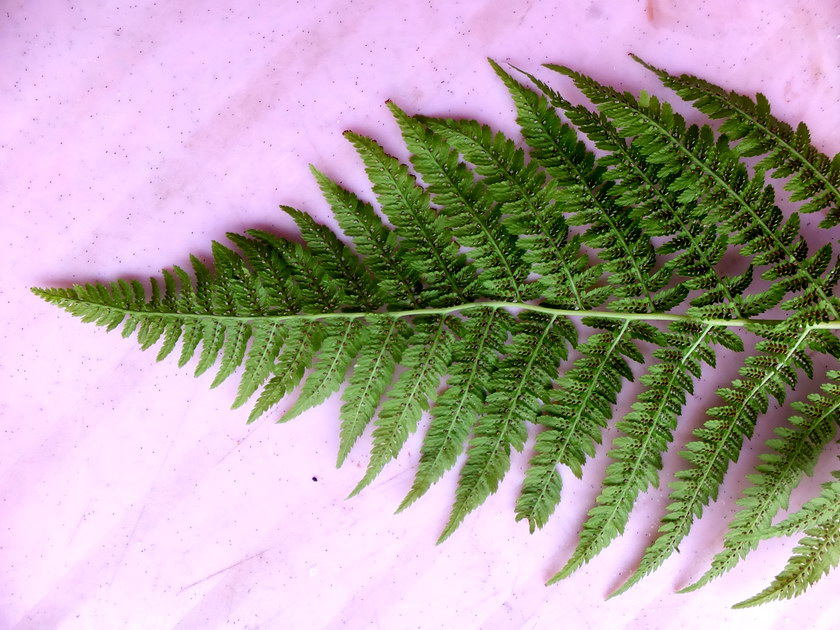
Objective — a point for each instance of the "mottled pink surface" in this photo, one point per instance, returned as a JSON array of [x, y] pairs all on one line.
[[134, 133]]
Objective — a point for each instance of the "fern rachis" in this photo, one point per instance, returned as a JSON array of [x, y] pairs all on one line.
[[472, 279]]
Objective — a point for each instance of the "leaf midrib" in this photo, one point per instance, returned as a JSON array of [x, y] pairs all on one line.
[[443, 310]]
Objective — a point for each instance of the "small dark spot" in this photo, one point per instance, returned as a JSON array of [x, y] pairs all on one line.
[[314, 478]]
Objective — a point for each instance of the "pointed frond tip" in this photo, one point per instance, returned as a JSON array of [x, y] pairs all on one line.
[[496, 289]]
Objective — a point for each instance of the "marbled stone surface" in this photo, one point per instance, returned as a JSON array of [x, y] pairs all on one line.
[[135, 133]]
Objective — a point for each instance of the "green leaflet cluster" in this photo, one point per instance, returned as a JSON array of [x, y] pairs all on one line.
[[467, 277]]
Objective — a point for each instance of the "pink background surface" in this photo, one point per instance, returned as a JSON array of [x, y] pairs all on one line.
[[134, 133]]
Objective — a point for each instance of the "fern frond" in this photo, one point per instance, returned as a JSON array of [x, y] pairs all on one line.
[[797, 448], [814, 177], [818, 552], [465, 276]]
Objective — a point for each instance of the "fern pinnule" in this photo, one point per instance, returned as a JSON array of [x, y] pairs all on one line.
[[317, 290], [515, 391], [266, 341], [475, 358], [188, 298], [272, 273], [817, 553], [338, 261], [718, 441], [797, 448], [819, 510], [303, 340], [786, 152], [340, 345]]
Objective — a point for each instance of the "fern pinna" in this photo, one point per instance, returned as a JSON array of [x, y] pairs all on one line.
[[467, 276]]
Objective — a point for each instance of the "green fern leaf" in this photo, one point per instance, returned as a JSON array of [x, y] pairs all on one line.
[[457, 409], [426, 235], [566, 277], [470, 274], [646, 433], [213, 338], [579, 409], [337, 260], [341, 344], [233, 350], [719, 440], [267, 341], [302, 342], [373, 241], [474, 219]]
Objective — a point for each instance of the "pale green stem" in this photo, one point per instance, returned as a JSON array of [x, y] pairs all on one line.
[[446, 310]]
